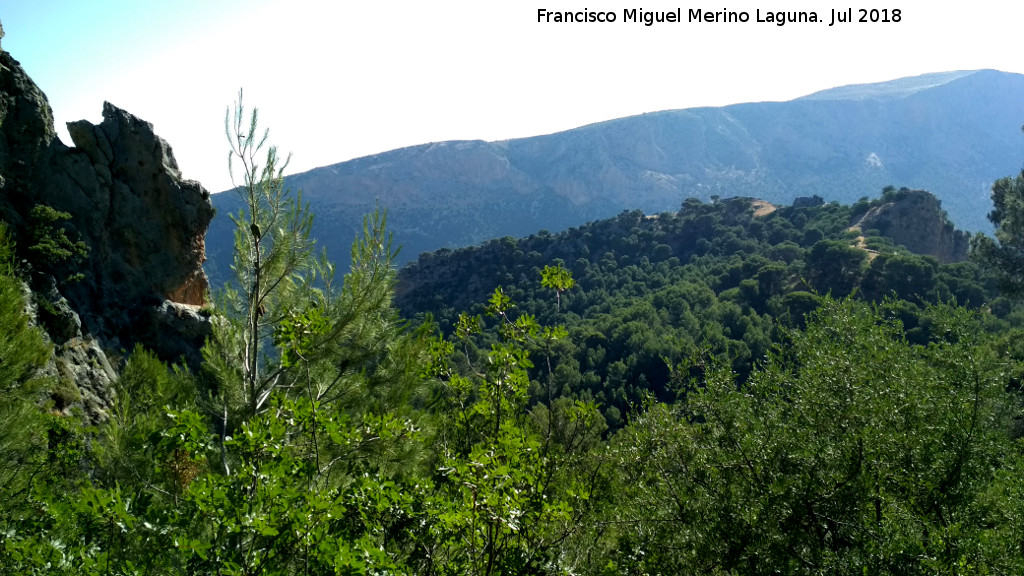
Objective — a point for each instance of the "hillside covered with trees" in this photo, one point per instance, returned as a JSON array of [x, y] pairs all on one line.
[[731, 388], [729, 278]]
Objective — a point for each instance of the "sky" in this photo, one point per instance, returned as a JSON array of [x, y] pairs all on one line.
[[339, 79]]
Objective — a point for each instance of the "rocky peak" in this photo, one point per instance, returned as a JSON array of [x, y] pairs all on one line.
[[144, 225], [124, 186], [915, 219]]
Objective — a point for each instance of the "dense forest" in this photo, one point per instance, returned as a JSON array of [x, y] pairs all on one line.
[[728, 279], [726, 389]]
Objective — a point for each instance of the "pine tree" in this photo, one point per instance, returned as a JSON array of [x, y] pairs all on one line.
[[1004, 255], [22, 353]]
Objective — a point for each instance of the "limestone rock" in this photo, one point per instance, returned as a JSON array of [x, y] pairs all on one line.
[[132, 206], [26, 124], [915, 219], [79, 368], [57, 317], [172, 329], [808, 201], [82, 364], [143, 223]]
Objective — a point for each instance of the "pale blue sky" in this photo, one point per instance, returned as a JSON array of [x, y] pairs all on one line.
[[341, 79]]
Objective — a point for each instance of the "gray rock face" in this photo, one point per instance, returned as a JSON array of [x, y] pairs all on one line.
[[79, 368], [808, 201], [143, 223], [916, 220], [84, 375], [26, 124], [61, 321], [132, 207], [174, 329]]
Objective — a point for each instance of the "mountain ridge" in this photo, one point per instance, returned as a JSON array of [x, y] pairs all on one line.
[[895, 88], [951, 133]]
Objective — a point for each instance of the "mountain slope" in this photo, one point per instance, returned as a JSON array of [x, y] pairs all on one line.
[[723, 277], [951, 133]]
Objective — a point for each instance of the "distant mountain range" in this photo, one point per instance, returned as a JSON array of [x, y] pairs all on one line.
[[951, 133]]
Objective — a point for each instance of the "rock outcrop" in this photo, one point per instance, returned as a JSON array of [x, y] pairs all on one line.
[[915, 219], [144, 225]]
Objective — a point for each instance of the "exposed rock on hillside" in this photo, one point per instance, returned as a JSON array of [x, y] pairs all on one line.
[[915, 219], [144, 226]]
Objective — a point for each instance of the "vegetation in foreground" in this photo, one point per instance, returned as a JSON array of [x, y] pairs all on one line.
[[863, 434]]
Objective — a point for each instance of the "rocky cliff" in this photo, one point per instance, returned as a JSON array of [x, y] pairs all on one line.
[[915, 219], [143, 225]]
